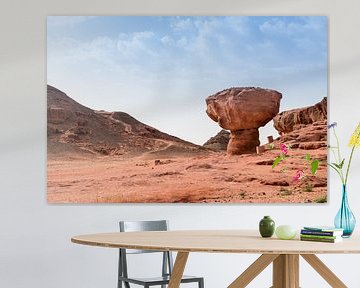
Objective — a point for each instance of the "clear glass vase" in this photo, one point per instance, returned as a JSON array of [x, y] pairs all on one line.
[[345, 219]]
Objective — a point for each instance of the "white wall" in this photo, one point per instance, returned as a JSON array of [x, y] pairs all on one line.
[[35, 248]]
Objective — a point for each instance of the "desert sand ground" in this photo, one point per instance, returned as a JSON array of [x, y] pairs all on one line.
[[202, 179]]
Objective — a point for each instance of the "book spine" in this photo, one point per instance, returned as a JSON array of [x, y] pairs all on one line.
[[318, 239], [319, 236], [320, 233]]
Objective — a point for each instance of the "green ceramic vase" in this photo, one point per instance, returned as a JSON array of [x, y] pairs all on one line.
[[266, 226]]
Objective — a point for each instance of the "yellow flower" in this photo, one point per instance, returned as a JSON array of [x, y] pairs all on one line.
[[355, 138]]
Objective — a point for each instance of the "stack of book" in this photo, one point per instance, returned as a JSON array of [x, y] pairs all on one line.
[[321, 234]]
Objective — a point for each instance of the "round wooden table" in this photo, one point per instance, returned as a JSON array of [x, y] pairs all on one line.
[[284, 254]]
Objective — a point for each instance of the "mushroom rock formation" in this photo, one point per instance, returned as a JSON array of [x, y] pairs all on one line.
[[243, 141], [243, 110]]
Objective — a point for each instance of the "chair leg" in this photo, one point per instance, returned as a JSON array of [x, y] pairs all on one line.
[[201, 283], [126, 284]]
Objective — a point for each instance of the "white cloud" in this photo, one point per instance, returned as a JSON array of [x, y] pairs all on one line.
[[70, 51], [238, 24], [167, 40], [182, 42], [181, 24], [131, 44], [281, 26], [274, 26], [207, 26]]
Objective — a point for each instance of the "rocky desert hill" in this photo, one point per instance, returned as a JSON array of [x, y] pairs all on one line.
[[219, 142], [304, 128], [74, 129]]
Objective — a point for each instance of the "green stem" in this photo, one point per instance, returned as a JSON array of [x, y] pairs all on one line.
[[333, 152], [337, 171], [351, 155], [339, 156], [338, 146]]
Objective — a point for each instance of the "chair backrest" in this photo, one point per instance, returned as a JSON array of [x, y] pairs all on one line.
[[134, 226]]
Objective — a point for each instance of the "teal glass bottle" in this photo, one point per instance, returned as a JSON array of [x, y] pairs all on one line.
[[345, 219], [266, 226]]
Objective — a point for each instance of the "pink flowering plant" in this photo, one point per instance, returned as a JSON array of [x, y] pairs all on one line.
[[299, 175], [309, 163]]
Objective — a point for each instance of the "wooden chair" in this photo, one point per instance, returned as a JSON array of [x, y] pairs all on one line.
[[167, 262]]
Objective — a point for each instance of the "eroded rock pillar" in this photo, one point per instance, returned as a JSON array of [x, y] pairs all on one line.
[[243, 141]]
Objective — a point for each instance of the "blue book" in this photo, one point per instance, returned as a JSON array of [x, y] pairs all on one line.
[[322, 231]]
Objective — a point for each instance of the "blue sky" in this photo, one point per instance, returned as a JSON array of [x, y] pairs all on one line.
[[161, 69]]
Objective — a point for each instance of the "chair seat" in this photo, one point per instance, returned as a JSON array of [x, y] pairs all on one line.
[[158, 280]]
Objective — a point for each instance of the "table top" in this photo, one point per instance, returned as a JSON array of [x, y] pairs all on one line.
[[217, 241]]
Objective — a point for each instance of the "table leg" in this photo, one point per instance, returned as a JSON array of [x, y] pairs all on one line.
[[286, 271], [324, 271], [253, 270], [178, 270]]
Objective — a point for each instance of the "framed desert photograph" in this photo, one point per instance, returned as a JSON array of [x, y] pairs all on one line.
[[198, 109]]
